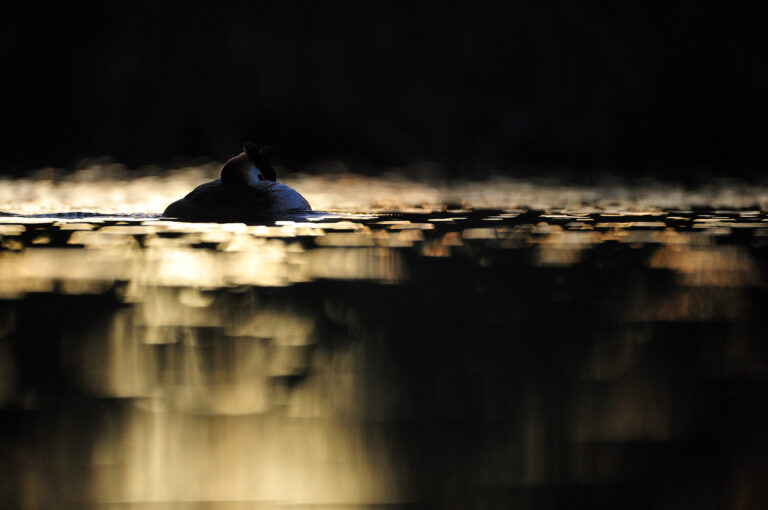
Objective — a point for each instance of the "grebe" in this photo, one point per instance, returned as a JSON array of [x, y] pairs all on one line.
[[246, 191]]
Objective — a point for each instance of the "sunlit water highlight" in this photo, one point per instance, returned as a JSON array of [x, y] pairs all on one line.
[[111, 189], [450, 344]]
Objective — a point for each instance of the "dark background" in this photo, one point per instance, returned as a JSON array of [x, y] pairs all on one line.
[[476, 86]]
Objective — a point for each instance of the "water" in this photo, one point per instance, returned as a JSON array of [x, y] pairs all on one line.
[[508, 343]]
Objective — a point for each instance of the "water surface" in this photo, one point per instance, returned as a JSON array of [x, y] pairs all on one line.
[[496, 344]]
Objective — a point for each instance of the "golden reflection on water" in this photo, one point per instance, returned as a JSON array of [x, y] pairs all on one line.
[[413, 347], [213, 419]]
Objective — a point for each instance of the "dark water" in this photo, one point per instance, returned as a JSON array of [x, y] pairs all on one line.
[[456, 359]]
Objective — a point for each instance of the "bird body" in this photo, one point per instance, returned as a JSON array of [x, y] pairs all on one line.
[[246, 191]]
